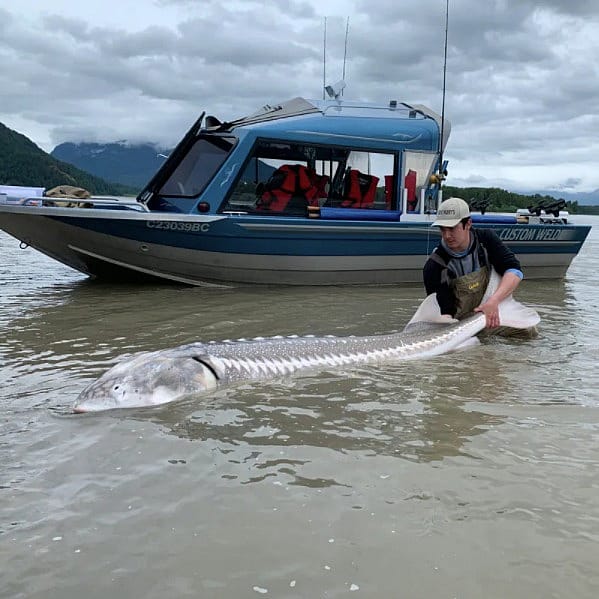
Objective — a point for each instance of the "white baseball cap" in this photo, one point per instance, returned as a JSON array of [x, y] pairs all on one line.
[[451, 212]]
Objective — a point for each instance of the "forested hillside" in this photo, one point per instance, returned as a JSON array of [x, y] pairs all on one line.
[[24, 163]]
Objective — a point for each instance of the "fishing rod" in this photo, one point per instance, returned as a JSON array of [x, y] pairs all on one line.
[[324, 59], [345, 52], [441, 173]]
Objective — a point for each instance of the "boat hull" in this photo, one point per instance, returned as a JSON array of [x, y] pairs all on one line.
[[115, 245]]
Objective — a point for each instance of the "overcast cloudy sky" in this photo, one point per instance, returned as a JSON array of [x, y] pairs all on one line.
[[522, 75]]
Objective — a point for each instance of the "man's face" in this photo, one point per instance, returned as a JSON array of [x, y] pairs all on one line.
[[457, 238]]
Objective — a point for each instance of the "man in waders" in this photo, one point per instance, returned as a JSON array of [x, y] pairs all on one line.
[[459, 267]]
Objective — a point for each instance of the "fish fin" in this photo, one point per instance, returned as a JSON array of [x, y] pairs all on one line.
[[429, 311], [514, 314]]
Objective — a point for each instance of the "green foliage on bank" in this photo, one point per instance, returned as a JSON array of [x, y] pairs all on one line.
[[24, 163], [584, 209], [501, 200]]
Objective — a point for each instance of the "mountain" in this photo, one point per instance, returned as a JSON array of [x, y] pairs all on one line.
[[129, 164], [124, 163], [24, 163]]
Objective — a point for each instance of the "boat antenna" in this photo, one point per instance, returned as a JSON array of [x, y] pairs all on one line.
[[345, 51], [324, 59], [443, 101]]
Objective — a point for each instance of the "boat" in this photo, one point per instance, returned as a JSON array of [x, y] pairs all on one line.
[[303, 192]]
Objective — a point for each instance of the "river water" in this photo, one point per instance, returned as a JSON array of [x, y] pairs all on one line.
[[471, 475]]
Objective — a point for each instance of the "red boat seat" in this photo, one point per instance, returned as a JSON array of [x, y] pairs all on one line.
[[291, 188], [359, 190], [410, 185]]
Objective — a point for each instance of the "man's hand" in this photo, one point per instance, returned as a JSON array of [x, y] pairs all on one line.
[[491, 311], [490, 308]]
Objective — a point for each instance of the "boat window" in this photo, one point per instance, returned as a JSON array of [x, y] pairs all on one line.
[[290, 178], [197, 168], [417, 169]]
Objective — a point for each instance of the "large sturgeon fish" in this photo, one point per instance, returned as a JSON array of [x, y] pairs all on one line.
[[153, 378]]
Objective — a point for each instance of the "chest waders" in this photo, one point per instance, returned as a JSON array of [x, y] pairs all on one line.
[[468, 290]]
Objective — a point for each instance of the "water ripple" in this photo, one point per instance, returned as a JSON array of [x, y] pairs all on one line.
[[442, 474]]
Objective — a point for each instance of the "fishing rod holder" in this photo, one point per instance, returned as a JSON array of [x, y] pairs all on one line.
[[480, 204], [548, 207]]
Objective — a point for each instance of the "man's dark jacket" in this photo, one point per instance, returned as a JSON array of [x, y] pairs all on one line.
[[500, 257]]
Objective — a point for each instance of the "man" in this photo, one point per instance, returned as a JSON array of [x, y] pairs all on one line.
[[458, 269]]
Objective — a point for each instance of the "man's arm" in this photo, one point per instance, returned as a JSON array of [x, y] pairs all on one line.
[[500, 256], [432, 283]]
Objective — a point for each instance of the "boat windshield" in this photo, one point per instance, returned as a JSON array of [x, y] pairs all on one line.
[[199, 165]]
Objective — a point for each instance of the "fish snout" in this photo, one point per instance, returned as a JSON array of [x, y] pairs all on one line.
[[152, 381]]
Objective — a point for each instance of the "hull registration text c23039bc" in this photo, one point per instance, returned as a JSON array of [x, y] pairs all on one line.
[[173, 225]]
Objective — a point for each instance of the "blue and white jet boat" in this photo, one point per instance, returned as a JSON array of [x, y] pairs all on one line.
[[305, 192]]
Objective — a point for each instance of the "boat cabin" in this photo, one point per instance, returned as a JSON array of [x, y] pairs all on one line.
[[305, 158]]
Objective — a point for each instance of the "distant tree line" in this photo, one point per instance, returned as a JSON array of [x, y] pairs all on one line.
[[500, 200]]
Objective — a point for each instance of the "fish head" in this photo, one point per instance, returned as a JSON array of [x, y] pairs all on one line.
[[149, 379]]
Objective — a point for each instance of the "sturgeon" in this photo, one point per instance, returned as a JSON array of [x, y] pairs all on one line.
[[159, 377]]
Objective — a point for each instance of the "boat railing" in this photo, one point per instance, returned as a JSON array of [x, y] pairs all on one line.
[[108, 203]]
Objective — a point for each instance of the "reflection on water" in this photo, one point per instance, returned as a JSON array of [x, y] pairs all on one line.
[[447, 475], [371, 410]]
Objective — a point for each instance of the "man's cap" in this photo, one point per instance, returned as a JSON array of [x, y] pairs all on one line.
[[451, 212]]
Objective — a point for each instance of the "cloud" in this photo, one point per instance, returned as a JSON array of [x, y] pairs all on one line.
[[521, 79]]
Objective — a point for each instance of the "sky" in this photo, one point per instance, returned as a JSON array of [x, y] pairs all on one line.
[[522, 79]]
